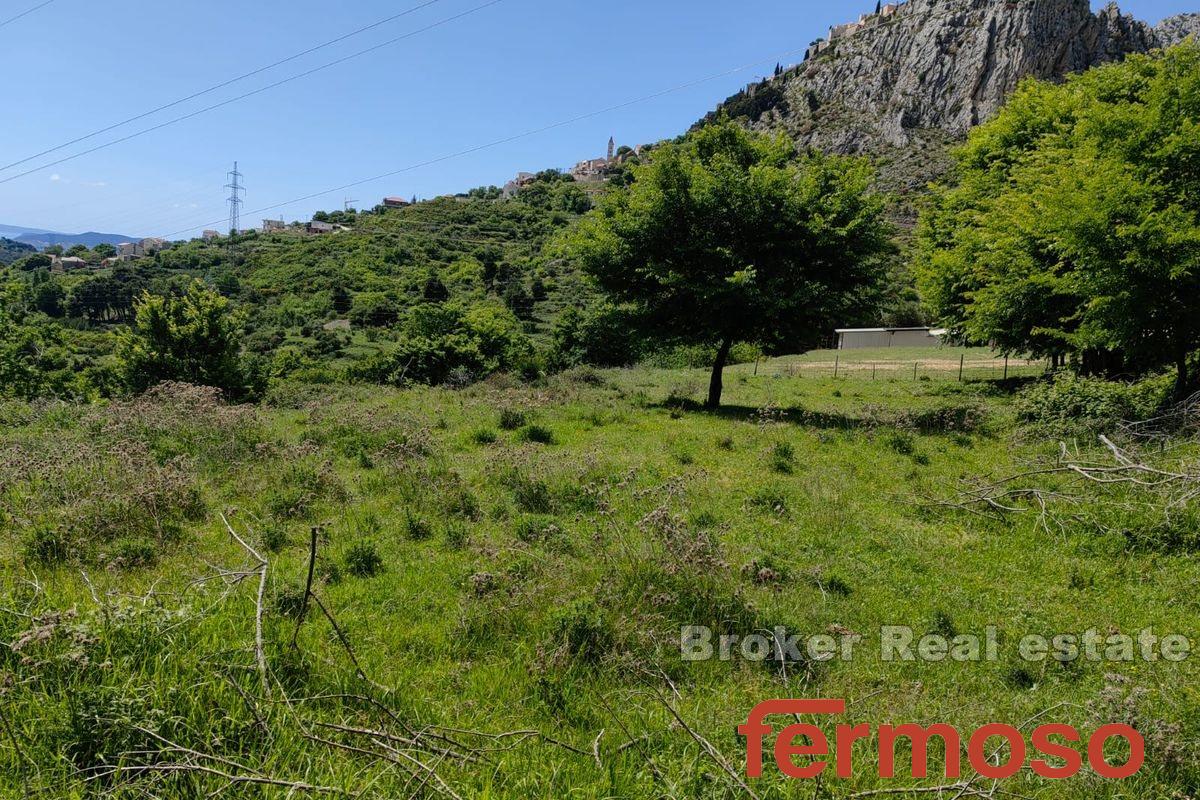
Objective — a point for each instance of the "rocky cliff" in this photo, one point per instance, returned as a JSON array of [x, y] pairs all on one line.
[[903, 85]]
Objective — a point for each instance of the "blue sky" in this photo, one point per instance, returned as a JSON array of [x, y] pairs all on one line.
[[519, 65]]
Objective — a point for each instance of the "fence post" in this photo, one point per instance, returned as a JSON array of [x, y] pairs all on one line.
[[872, 372], [837, 360], [915, 364], [962, 360], [1006, 368]]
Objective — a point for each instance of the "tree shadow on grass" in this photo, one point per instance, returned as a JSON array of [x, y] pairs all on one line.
[[795, 415], [946, 418]]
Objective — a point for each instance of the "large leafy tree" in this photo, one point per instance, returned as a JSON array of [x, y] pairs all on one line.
[[193, 338], [1071, 228], [732, 236]]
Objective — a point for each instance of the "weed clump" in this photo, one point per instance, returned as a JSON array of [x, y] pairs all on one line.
[[416, 528], [484, 436], [363, 560], [536, 434], [783, 458], [584, 631], [46, 546], [765, 571], [770, 499], [457, 536], [511, 419], [132, 552]]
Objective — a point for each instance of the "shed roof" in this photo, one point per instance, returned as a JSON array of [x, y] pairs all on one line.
[[880, 330]]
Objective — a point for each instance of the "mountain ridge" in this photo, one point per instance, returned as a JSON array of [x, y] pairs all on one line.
[[41, 239], [903, 85]]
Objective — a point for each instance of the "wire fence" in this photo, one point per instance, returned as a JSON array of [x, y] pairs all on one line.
[[961, 368]]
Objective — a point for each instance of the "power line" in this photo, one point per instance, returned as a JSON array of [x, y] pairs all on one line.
[[221, 85], [25, 13], [509, 139], [258, 91]]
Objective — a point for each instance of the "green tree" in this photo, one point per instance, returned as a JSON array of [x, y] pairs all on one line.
[[193, 338], [601, 334], [374, 310], [48, 298], [34, 261], [434, 290], [729, 236], [1072, 226]]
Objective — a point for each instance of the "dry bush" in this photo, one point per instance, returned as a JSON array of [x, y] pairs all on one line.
[[99, 483], [373, 435]]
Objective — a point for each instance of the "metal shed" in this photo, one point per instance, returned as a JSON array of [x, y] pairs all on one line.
[[861, 338]]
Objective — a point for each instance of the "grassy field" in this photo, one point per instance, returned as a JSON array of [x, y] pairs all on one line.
[[509, 568], [906, 363]]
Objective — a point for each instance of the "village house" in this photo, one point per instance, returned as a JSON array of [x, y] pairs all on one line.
[[68, 263], [270, 225], [591, 168], [318, 228], [210, 236], [522, 180], [146, 247], [395, 202], [114, 261]]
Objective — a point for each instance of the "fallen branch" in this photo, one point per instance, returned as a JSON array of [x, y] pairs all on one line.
[[707, 746], [260, 653]]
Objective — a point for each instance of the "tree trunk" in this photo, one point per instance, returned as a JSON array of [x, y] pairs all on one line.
[[715, 384], [1183, 381]]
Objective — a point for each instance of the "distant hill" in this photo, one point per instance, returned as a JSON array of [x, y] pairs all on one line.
[[10, 251], [43, 239]]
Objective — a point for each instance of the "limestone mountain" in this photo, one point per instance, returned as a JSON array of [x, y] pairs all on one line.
[[903, 83]]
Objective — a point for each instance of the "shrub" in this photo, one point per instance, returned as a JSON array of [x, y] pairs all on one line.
[[441, 341], [362, 560], [601, 335], [194, 338], [1070, 404], [585, 376], [961, 417], [702, 356]]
